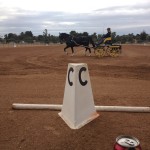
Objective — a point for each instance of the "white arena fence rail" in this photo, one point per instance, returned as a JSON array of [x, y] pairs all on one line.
[[25, 44]]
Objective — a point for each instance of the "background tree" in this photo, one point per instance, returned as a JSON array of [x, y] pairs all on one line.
[[73, 33], [85, 34], [54, 39], [28, 37], [94, 37], [11, 37], [1, 39], [40, 38], [113, 34], [143, 36], [45, 35]]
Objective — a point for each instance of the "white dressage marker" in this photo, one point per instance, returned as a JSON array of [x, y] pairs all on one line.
[[78, 105]]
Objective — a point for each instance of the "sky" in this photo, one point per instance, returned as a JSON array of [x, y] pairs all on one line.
[[57, 16]]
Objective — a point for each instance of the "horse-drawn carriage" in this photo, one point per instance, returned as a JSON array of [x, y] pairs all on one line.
[[101, 50]]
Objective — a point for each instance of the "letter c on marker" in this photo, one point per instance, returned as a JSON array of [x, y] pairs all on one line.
[[70, 70], [80, 80]]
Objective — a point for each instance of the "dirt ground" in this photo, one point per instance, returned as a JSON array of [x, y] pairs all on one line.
[[38, 74]]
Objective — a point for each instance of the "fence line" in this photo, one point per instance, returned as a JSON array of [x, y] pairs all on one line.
[[43, 44], [24, 45]]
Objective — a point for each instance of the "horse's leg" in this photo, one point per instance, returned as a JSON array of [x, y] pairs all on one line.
[[87, 48], [89, 51], [65, 50], [72, 50]]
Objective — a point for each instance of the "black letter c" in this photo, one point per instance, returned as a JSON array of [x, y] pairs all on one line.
[[80, 80], [70, 70]]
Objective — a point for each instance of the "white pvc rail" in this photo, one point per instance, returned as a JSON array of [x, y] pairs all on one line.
[[98, 108]]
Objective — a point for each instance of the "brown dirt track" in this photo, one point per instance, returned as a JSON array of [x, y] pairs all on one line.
[[38, 74]]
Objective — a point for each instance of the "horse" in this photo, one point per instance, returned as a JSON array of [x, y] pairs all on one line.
[[71, 42]]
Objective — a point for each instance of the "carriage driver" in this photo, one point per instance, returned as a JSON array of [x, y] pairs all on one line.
[[106, 38]]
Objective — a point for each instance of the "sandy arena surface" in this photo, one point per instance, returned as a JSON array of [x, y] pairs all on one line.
[[38, 74]]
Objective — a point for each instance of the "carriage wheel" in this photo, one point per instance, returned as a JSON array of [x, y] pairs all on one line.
[[100, 52], [114, 53], [108, 51]]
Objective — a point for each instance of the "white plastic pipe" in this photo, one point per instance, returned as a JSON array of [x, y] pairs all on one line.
[[122, 108], [98, 108], [36, 106]]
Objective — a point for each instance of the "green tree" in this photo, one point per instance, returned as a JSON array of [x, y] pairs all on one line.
[[1, 39], [54, 39], [73, 33], [94, 37], [131, 38], [28, 34], [45, 35], [148, 38], [11, 37], [40, 38], [26, 37], [21, 36], [143, 36], [113, 35], [85, 34]]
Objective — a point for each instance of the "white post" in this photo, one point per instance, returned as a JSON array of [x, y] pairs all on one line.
[[78, 105]]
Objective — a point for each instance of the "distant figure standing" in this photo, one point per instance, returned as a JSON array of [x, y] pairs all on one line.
[[106, 38]]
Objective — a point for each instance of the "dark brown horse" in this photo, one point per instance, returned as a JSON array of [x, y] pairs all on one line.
[[71, 42]]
